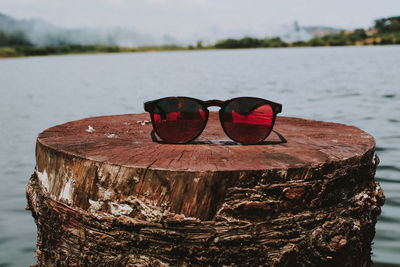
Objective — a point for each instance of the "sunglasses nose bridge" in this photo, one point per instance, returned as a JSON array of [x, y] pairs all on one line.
[[214, 103]]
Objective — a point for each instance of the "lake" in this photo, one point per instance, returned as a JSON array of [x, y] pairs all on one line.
[[352, 85]]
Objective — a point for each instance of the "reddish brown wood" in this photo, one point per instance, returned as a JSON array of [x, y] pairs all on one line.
[[310, 201], [309, 142]]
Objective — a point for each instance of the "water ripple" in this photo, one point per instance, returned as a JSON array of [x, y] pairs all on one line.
[[380, 148], [4, 240], [387, 219], [28, 250], [393, 201], [389, 96], [382, 264], [389, 167], [387, 180]]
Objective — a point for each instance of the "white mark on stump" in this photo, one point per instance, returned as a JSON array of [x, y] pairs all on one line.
[[112, 136], [67, 192], [90, 129], [120, 209], [378, 188], [136, 179], [108, 194], [44, 179], [105, 194], [356, 225], [95, 205], [151, 213], [282, 173]]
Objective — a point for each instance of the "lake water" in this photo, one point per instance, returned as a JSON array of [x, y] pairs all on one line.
[[351, 85]]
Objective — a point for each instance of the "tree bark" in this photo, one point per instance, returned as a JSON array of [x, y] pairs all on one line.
[[105, 194]]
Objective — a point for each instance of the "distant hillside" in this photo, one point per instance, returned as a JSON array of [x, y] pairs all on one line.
[[35, 37], [41, 33]]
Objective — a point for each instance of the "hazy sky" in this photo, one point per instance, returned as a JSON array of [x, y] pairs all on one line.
[[203, 18]]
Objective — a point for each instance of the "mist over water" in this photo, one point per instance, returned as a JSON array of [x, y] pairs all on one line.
[[351, 85], [41, 33]]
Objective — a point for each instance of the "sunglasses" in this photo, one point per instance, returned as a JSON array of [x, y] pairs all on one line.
[[247, 120]]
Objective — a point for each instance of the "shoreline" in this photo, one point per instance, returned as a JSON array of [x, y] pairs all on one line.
[[12, 52]]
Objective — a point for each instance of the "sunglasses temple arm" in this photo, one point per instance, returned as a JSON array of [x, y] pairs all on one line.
[[154, 138], [278, 108], [283, 139]]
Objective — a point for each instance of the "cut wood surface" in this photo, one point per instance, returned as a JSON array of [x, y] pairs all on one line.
[[105, 193]]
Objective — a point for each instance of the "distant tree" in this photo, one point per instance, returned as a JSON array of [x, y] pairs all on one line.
[[227, 43], [395, 24], [339, 39], [3, 39], [386, 25], [387, 39], [358, 35], [274, 42], [13, 39], [248, 42], [300, 44], [19, 38], [296, 26], [381, 25], [199, 44], [317, 41]]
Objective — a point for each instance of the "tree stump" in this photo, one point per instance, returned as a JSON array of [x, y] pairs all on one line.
[[105, 194]]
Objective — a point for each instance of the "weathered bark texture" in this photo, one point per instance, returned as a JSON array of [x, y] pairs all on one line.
[[104, 194]]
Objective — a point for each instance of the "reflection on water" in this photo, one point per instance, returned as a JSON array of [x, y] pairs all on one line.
[[351, 85]]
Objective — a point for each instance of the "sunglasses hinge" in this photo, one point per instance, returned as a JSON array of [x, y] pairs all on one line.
[[148, 106]]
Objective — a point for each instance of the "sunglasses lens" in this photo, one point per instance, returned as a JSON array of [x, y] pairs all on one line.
[[247, 121], [178, 119]]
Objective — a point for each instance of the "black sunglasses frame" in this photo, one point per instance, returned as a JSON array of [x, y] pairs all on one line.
[[149, 106]]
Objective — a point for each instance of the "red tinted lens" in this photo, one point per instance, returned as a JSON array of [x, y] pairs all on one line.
[[247, 121], [178, 120]]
